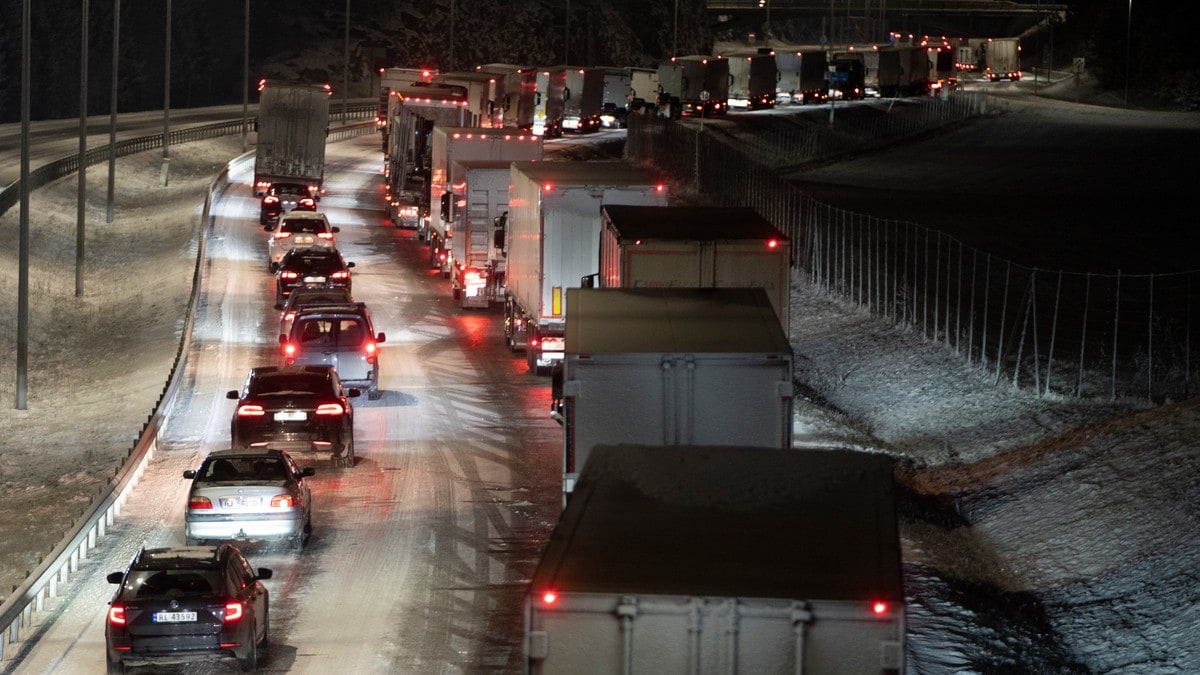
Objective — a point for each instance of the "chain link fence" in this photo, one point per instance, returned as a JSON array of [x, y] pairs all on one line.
[[1057, 332]]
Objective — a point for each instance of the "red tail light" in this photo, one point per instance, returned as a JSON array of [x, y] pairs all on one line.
[[279, 234], [772, 243], [288, 316], [549, 597], [250, 410], [325, 235], [285, 501], [290, 349], [330, 409], [287, 274], [340, 274], [233, 611], [308, 203], [116, 615], [199, 503], [879, 608], [472, 275], [270, 200], [371, 350]]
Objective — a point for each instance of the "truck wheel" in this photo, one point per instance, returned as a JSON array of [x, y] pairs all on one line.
[[531, 357], [457, 294]]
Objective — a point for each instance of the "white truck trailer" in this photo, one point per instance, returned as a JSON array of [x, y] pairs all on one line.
[[501, 75], [1002, 57], [293, 120], [672, 366], [552, 241], [478, 86], [753, 76], [449, 145], [695, 247], [478, 207], [733, 559], [574, 97]]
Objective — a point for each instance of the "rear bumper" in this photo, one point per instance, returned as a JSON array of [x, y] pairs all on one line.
[[259, 527]]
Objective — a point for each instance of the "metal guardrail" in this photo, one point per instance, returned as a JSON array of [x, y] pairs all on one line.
[[17, 610]]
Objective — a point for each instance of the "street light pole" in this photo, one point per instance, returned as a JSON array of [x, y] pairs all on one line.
[[81, 198], [166, 160], [346, 66], [1128, 24], [112, 120], [246, 78], [23, 222]]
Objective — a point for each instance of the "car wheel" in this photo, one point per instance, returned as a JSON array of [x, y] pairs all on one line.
[[347, 458], [192, 541], [265, 643], [531, 360], [249, 662], [272, 267], [373, 394], [457, 293], [114, 666]]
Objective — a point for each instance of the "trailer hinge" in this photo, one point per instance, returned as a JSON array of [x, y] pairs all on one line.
[[537, 644]]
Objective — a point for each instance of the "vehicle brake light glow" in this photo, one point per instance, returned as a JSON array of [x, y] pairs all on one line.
[[284, 501], [471, 276], [288, 274], [660, 187], [282, 235], [325, 235], [233, 611], [549, 597], [198, 503], [330, 409], [772, 243], [879, 608], [370, 348], [547, 187], [308, 202], [270, 200], [289, 349], [116, 615], [250, 410], [340, 274]]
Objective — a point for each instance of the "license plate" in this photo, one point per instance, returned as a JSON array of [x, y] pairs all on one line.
[[304, 240], [314, 280], [291, 416], [174, 617], [239, 502]]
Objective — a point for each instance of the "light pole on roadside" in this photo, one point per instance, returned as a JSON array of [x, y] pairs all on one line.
[[246, 78], [1128, 25], [166, 160], [81, 197]]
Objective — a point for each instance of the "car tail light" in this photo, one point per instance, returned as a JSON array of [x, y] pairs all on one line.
[[289, 349], [250, 410], [330, 409], [371, 349], [549, 597], [879, 608], [198, 503], [772, 243], [233, 611], [270, 200], [116, 615], [285, 501], [340, 275], [288, 316], [325, 235], [472, 276], [307, 203], [279, 234], [288, 274]]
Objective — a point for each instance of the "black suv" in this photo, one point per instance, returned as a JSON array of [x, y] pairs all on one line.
[[193, 603], [283, 197], [300, 408], [341, 336], [308, 266]]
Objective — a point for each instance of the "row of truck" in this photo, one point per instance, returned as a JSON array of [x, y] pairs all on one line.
[[695, 536], [664, 330]]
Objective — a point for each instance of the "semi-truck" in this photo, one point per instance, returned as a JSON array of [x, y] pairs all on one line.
[[615, 100], [753, 76], [695, 247], [693, 86], [552, 240], [848, 75], [525, 100], [293, 120], [501, 74], [451, 145], [643, 90], [671, 366], [478, 86], [476, 210], [722, 559], [413, 112], [813, 87], [903, 71], [1002, 59], [574, 96], [391, 78]]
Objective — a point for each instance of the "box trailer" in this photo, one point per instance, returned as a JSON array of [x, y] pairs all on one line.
[[478, 86], [1002, 59], [695, 247], [734, 559], [753, 76], [574, 99], [477, 208], [413, 112], [293, 120], [672, 366], [458, 144], [501, 75], [552, 241]]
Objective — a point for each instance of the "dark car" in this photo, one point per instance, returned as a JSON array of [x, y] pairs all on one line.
[[281, 198], [258, 495], [342, 336], [310, 266], [305, 296], [301, 408], [194, 603]]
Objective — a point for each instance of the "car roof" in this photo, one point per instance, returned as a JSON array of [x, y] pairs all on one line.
[[314, 253], [181, 557], [271, 371], [358, 308], [304, 215], [246, 453]]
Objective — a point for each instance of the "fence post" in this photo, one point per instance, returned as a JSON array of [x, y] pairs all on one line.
[[1087, 292], [1003, 318], [1053, 330], [1116, 327], [1150, 344]]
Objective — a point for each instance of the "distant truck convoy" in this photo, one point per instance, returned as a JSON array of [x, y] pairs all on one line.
[[695, 247], [672, 366], [753, 76], [552, 239], [293, 120], [729, 559]]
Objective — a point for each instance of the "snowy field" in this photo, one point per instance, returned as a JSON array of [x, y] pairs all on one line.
[[1040, 535]]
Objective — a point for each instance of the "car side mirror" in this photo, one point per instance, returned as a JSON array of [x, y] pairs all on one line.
[[282, 340], [115, 577], [349, 264], [232, 393], [336, 229], [308, 471], [354, 393], [279, 307], [190, 473], [263, 573], [268, 228], [381, 338]]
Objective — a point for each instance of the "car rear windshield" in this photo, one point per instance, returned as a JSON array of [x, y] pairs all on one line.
[[170, 583], [268, 469], [339, 332], [307, 259], [303, 225], [289, 385]]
